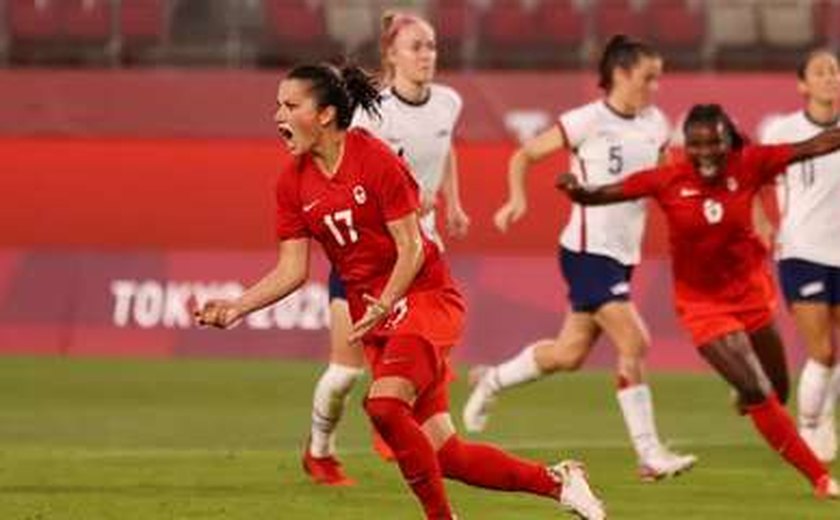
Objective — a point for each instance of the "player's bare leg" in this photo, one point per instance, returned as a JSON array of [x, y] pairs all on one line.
[[625, 328], [770, 350], [566, 352], [330, 398], [734, 358]]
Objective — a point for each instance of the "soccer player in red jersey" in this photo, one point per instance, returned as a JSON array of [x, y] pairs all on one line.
[[348, 191], [417, 120], [722, 285]]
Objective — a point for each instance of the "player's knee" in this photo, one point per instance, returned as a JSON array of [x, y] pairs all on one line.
[[751, 395], [633, 348], [451, 458], [565, 358], [631, 369], [339, 380], [384, 411], [824, 355]]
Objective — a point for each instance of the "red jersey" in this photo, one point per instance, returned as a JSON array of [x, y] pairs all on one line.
[[348, 214], [716, 253]]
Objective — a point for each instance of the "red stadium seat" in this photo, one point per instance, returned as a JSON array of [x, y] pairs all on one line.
[[143, 21], [561, 29], [34, 19], [87, 21], [60, 31], [619, 16], [296, 30], [508, 35], [452, 20], [678, 28], [294, 21], [827, 17]]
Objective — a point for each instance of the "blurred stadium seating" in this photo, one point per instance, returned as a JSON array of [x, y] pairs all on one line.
[[743, 34]]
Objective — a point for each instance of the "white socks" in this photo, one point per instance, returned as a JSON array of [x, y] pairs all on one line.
[[637, 408], [814, 392], [522, 368], [832, 393], [327, 406]]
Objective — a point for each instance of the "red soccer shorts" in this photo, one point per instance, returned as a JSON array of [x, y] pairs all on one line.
[[425, 365], [707, 327], [747, 304], [414, 343], [436, 316]]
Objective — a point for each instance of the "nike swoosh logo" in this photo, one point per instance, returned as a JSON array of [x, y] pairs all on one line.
[[688, 192], [308, 207], [393, 361]]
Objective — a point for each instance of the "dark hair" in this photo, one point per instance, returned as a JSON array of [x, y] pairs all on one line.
[[714, 114], [345, 89], [802, 67], [621, 51]]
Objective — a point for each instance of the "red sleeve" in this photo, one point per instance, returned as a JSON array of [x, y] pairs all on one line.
[[398, 193], [643, 184], [290, 223], [766, 162]]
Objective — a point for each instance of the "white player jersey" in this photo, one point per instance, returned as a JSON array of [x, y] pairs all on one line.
[[808, 195], [421, 133], [608, 146]]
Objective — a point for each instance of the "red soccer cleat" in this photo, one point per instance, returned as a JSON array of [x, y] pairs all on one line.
[[382, 449], [325, 470]]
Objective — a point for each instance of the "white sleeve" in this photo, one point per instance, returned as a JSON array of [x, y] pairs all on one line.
[[771, 132], [459, 105], [576, 125]]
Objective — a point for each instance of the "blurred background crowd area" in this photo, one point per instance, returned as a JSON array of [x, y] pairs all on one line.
[[472, 34]]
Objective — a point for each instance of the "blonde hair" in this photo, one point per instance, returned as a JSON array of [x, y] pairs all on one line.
[[392, 23]]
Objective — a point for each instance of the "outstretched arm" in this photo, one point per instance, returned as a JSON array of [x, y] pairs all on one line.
[[590, 195], [821, 144]]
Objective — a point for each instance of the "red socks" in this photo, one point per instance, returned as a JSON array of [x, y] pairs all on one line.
[[414, 453], [479, 465], [776, 426], [486, 466]]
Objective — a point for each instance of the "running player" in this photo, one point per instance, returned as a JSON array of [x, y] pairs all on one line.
[[354, 196], [808, 252], [727, 302], [417, 120], [609, 137]]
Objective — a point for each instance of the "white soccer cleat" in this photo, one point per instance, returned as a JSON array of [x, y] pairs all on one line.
[[476, 411], [664, 463], [575, 494], [827, 489]]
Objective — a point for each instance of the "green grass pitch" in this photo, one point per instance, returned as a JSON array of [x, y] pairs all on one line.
[[205, 439]]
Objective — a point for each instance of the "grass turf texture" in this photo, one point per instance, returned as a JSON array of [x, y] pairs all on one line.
[[94, 439]]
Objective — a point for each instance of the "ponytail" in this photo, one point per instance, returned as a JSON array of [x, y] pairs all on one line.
[[363, 91], [346, 89]]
